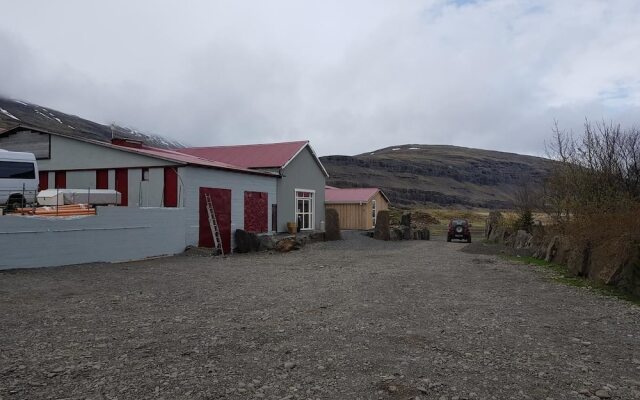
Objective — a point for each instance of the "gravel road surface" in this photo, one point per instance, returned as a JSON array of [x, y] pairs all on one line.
[[355, 319]]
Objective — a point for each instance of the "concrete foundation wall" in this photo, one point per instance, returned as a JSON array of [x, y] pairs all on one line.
[[114, 234]]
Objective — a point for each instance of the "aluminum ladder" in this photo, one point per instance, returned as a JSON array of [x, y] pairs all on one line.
[[213, 224]]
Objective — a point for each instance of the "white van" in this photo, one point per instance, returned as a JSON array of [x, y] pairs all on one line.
[[18, 178]]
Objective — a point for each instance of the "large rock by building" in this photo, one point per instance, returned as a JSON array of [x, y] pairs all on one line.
[[332, 225], [381, 231]]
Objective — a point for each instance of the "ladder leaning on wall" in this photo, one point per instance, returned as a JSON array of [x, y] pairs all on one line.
[[213, 224]]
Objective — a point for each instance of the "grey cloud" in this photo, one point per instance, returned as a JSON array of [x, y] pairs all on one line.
[[351, 77]]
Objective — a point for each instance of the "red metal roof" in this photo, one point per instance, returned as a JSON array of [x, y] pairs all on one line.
[[354, 195], [271, 155], [187, 158]]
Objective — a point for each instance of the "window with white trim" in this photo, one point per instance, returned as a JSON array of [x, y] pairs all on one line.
[[305, 208]]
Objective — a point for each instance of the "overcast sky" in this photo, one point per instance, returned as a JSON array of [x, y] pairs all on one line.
[[351, 76]]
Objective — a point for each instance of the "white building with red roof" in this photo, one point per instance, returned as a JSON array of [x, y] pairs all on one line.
[[258, 188], [301, 183]]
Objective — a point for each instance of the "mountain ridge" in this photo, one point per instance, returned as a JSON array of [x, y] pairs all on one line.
[[16, 112], [443, 175]]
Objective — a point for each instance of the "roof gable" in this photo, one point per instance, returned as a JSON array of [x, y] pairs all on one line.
[[254, 156]]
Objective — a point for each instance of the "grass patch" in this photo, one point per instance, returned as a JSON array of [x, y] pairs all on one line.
[[561, 274]]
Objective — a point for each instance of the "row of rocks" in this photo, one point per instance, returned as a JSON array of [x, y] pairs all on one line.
[[249, 242], [610, 261], [405, 231]]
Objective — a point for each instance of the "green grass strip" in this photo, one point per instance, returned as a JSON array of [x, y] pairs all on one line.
[[561, 274]]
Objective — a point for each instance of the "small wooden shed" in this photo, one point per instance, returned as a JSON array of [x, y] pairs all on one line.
[[356, 207]]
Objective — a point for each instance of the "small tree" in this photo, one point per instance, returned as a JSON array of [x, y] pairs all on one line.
[[526, 200], [598, 172]]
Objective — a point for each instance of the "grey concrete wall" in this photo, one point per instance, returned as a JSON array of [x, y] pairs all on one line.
[[80, 179], [111, 174], [153, 189], [302, 173], [194, 178], [134, 180], [146, 193], [114, 234], [69, 154]]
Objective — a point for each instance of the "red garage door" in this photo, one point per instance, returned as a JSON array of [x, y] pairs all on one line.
[[221, 199], [256, 208], [122, 185], [102, 179], [61, 180], [170, 192], [44, 180]]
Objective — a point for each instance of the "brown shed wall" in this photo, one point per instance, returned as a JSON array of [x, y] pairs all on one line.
[[358, 216]]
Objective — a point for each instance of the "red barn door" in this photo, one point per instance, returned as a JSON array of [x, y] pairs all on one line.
[[61, 180], [170, 192], [221, 199], [256, 211], [122, 185], [44, 180], [102, 179]]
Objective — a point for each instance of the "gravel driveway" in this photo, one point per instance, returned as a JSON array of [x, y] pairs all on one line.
[[355, 319]]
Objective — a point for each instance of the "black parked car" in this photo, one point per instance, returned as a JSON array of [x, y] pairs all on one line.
[[459, 229]]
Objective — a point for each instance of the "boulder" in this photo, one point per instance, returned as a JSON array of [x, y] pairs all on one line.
[[332, 225], [630, 274], [317, 237], [521, 240], [395, 234], [615, 262], [266, 242], [495, 220], [579, 259], [421, 234], [406, 232], [287, 244], [405, 220], [243, 241], [552, 249], [381, 231]]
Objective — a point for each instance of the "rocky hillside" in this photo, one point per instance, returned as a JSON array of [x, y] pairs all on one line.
[[441, 175], [15, 112]]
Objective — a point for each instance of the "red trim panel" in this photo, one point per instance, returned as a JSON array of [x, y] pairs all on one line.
[[221, 199], [122, 185], [44, 180], [102, 179], [170, 191], [256, 211], [61, 179]]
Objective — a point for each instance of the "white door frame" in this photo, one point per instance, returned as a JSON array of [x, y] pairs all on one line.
[[312, 208]]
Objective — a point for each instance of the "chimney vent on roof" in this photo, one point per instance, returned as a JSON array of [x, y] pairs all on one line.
[[126, 142]]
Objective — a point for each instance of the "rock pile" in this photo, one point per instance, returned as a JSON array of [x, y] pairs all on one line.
[[406, 230]]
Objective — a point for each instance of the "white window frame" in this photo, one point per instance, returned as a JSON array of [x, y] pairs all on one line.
[[312, 207], [374, 211]]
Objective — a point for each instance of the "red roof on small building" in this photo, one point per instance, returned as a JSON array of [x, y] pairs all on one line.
[[270, 155], [353, 195]]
